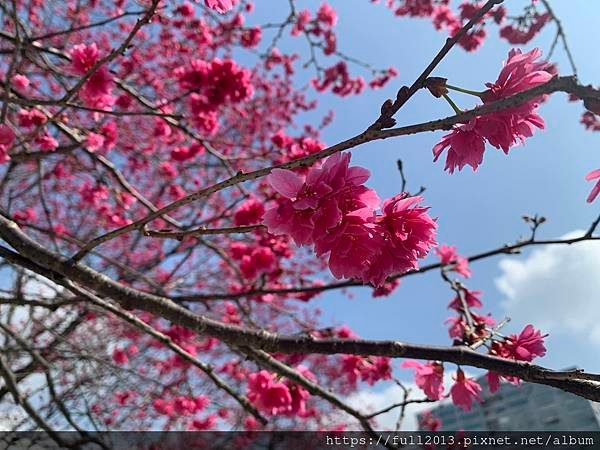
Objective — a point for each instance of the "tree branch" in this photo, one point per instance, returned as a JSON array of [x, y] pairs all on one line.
[[563, 84], [56, 267], [385, 120]]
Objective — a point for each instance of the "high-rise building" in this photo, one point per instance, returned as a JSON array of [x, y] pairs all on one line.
[[528, 407]]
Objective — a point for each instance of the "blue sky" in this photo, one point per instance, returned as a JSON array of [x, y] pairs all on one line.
[[477, 211]]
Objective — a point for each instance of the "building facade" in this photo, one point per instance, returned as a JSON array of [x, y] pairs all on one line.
[[528, 407]]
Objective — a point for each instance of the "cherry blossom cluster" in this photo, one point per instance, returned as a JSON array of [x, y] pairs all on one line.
[[465, 144], [213, 84], [444, 18], [92, 139], [445, 15], [429, 377], [525, 28], [331, 209], [221, 6], [279, 397], [468, 328], [320, 26], [97, 90], [318, 30]]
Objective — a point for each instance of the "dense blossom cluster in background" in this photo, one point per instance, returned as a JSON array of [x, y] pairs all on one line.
[[95, 137], [446, 15]]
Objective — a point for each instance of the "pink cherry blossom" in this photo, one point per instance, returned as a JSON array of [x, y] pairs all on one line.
[[337, 77], [7, 135], [163, 407], [353, 247], [260, 260], [30, 118], [268, 394], [465, 146], [446, 253], [94, 141], [449, 257], [120, 356], [20, 81], [493, 380], [471, 299], [330, 208], [464, 391], [221, 6], [429, 377], [521, 71], [208, 423], [369, 369], [299, 394], [249, 212], [458, 324], [327, 15], [96, 91], [504, 129], [46, 142], [525, 346], [518, 35], [318, 201], [386, 288], [25, 215], [428, 422], [83, 58], [408, 233], [594, 175]]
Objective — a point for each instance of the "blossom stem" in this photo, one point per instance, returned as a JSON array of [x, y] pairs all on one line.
[[456, 109], [465, 91]]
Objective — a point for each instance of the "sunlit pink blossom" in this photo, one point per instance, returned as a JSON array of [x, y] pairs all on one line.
[[521, 71], [268, 394], [464, 391], [449, 257], [465, 146], [525, 346], [429, 377], [471, 299], [221, 6]]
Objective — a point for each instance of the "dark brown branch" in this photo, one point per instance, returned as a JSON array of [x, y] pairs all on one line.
[[563, 84], [507, 249], [203, 231], [385, 120], [85, 27], [56, 267], [11, 384], [399, 405], [145, 19], [168, 342]]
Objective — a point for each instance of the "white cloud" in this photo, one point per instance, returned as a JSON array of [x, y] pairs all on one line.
[[556, 288]]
